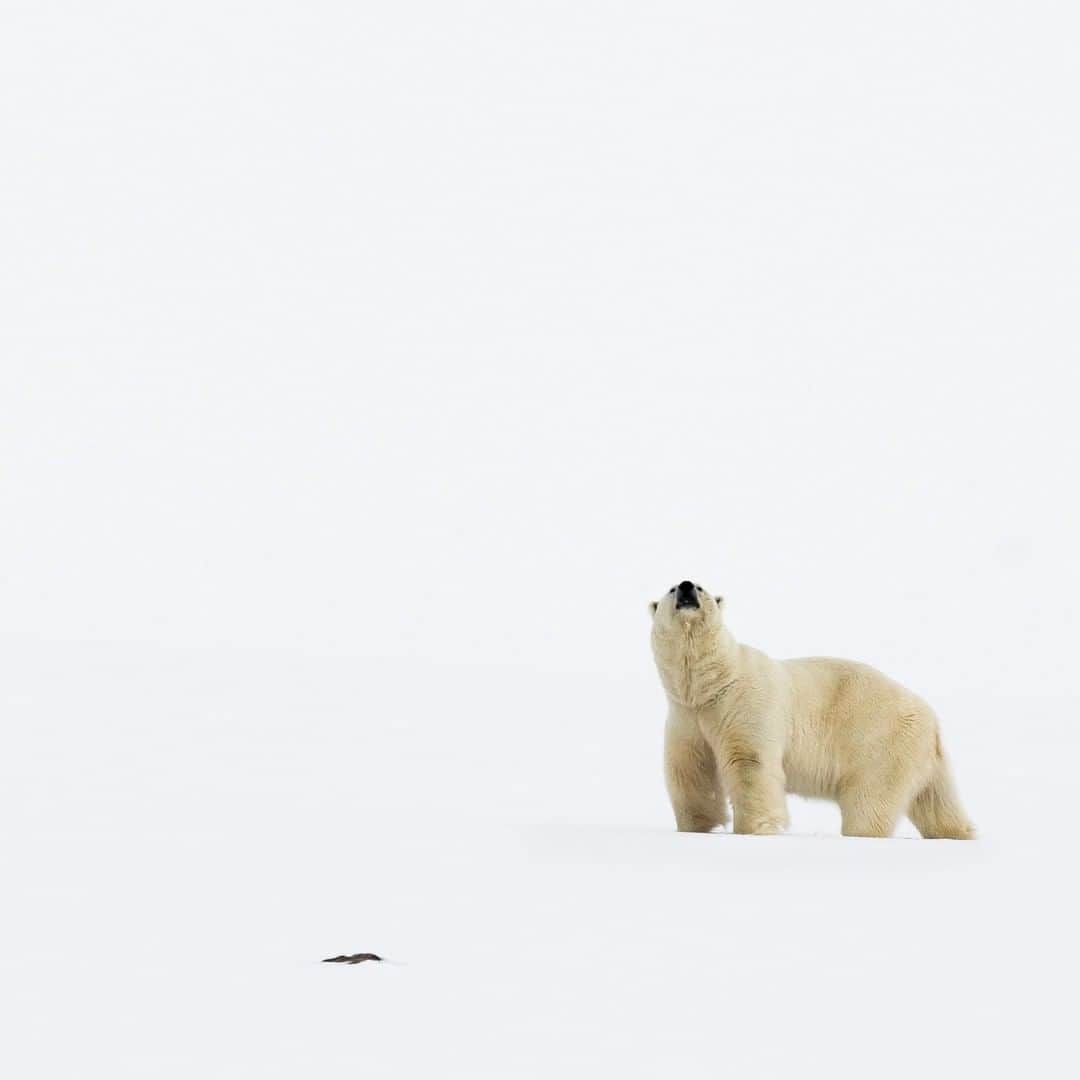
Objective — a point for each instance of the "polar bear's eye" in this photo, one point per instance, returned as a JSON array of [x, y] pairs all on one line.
[[672, 589]]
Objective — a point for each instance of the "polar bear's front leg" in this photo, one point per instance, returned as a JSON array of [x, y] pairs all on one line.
[[756, 781], [693, 780]]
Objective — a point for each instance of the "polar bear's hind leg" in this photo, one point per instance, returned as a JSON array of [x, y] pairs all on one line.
[[870, 810], [936, 811], [878, 791]]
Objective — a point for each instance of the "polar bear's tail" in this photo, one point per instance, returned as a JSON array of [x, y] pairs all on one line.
[[936, 811]]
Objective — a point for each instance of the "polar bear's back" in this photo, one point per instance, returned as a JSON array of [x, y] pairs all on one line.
[[831, 683]]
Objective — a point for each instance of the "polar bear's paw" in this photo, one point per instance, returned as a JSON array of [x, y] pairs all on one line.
[[761, 826], [687, 821]]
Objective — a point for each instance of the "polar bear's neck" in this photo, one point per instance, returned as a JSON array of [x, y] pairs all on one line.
[[698, 663]]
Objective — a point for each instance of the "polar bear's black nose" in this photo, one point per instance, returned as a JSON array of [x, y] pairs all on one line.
[[686, 595]]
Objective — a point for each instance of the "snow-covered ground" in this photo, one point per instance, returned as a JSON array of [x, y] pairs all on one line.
[[197, 830]]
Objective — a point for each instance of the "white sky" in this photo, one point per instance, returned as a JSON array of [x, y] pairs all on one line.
[[459, 331]]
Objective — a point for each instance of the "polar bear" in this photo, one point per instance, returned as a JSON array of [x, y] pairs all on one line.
[[743, 725]]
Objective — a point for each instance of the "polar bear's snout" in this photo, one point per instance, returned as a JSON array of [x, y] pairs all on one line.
[[684, 605], [686, 595]]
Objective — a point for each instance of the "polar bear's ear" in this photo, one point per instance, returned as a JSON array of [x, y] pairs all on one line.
[[652, 607]]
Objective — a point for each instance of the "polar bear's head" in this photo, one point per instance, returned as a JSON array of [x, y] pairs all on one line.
[[692, 647], [685, 605]]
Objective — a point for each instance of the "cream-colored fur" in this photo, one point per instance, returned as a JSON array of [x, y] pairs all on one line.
[[745, 726]]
